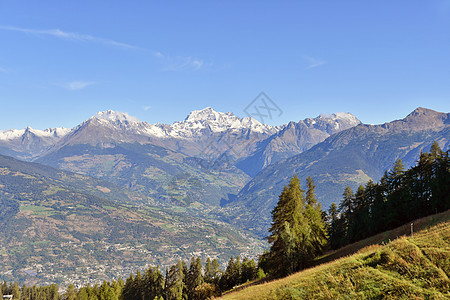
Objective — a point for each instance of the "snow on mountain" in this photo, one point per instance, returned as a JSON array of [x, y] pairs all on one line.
[[207, 114], [339, 117], [294, 138], [116, 121], [197, 123], [105, 127], [28, 143], [207, 119], [52, 132], [114, 116], [332, 123], [189, 136], [12, 134]]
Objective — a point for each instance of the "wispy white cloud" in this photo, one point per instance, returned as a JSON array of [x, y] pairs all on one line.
[[158, 55], [146, 108], [313, 62], [180, 63], [2, 70], [77, 85], [71, 36]]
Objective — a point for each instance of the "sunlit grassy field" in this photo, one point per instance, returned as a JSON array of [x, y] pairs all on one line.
[[408, 267]]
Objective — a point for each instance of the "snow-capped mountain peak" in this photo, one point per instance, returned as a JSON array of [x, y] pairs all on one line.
[[339, 116], [196, 124], [209, 119], [115, 116], [12, 134], [206, 114], [57, 132], [333, 123], [343, 116]]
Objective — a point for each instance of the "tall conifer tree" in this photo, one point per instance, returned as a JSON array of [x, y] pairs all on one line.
[[316, 222], [298, 231]]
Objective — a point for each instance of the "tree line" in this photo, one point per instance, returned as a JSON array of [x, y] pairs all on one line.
[[34, 292], [398, 198], [179, 282]]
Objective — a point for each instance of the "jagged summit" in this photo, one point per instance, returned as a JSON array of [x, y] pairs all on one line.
[[333, 123], [107, 127], [210, 115], [341, 116], [206, 114], [210, 119], [12, 134], [111, 115], [28, 143], [420, 119], [421, 112], [338, 116]]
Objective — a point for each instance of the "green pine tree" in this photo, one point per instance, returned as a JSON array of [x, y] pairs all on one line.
[[175, 282], [208, 271], [16, 291], [314, 214], [298, 231], [194, 277], [71, 293]]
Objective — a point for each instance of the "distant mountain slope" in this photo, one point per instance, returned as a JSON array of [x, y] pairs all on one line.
[[68, 180], [151, 171], [294, 138], [350, 157], [53, 228]]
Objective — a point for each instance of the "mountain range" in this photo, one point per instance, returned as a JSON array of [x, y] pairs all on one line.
[[348, 158], [212, 175], [213, 154], [218, 158]]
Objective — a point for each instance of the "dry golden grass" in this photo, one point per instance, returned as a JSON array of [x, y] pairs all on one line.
[[406, 268]]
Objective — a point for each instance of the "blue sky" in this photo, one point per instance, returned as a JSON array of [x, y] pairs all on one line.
[[61, 61]]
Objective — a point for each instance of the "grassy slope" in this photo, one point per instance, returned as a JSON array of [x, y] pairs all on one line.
[[409, 268]]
